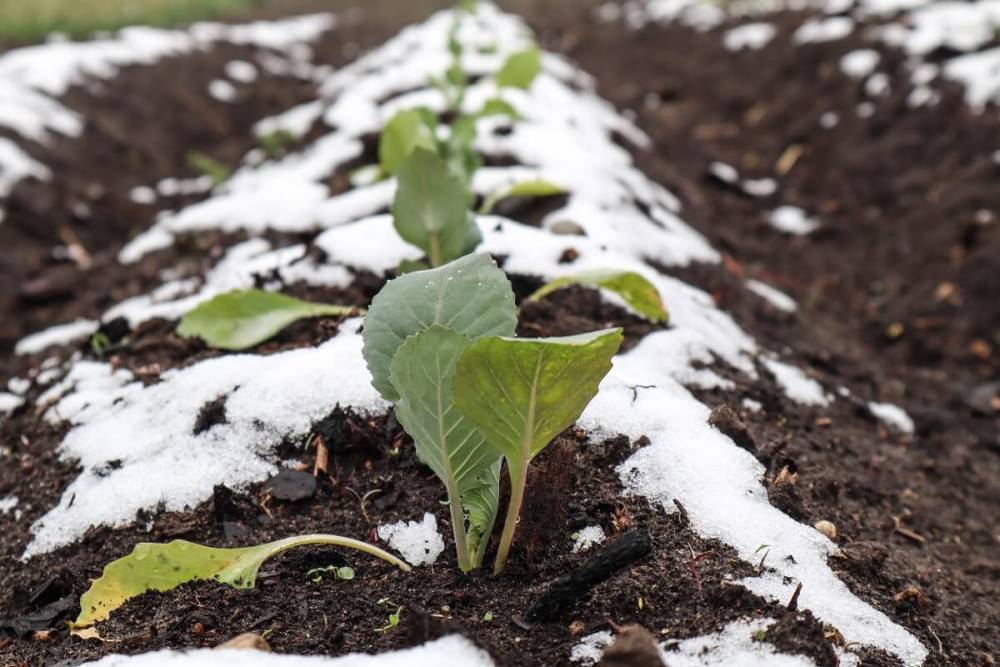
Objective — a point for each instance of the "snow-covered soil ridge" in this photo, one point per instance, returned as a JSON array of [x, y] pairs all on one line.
[[614, 218]]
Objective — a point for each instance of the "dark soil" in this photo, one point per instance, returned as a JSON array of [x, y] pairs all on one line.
[[914, 320]]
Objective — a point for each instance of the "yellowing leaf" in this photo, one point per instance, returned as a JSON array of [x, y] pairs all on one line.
[[640, 294], [534, 188], [163, 567], [243, 318]]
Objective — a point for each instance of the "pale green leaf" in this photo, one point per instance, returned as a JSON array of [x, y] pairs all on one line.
[[522, 392], [243, 318], [470, 296], [431, 207], [163, 567], [405, 131], [520, 69], [498, 107], [533, 188], [482, 502], [640, 294], [422, 372]]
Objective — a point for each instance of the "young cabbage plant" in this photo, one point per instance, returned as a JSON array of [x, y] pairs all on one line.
[[634, 288], [431, 208], [406, 130], [241, 319], [163, 567], [416, 329], [521, 393]]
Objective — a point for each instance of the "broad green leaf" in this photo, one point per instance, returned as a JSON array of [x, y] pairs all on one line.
[[470, 296], [422, 373], [482, 502], [522, 392], [163, 567], [640, 294], [243, 318], [406, 130], [534, 188], [431, 207], [520, 69], [498, 107]]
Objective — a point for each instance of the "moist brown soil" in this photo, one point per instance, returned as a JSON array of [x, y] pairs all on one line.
[[897, 194]]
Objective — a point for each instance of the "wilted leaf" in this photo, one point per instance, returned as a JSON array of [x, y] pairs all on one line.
[[520, 69], [163, 567], [406, 130], [640, 294], [243, 318], [422, 372], [533, 188], [431, 207], [470, 296]]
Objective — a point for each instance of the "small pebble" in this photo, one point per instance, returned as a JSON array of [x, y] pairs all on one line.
[[827, 528]]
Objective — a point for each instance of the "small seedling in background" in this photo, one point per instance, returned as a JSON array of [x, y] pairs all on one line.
[[634, 288], [276, 143], [99, 344], [535, 188], [488, 616], [206, 165], [163, 567], [316, 574], [431, 211], [393, 621], [241, 319]]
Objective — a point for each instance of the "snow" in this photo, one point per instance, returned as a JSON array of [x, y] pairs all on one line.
[[775, 297], [222, 90], [18, 385], [588, 537], [8, 503], [892, 415], [792, 220], [32, 79], [877, 84], [142, 194], [60, 334], [749, 36], [15, 165], [590, 647], [241, 71], [459, 652], [823, 30], [9, 402], [733, 645], [420, 543], [149, 430], [751, 405], [798, 386], [859, 64]]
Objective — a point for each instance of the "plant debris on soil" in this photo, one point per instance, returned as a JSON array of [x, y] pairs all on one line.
[[896, 300]]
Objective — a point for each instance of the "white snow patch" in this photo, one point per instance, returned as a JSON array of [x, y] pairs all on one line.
[[724, 172], [892, 415], [877, 84], [148, 429], [60, 334], [241, 71], [860, 63], [591, 647], [980, 73], [775, 297], [455, 649], [419, 543], [823, 30], [588, 537], [142, 194], [752, 405], [749, 36], [829, 120], [760, 187], [15, 165], [18, 386], [792, 220], [9, 402], [733, 645], [222, 90], [798, 386], [7, 503]]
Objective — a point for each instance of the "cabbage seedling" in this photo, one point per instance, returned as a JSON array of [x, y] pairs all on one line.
[[206, 165], [416, 329], [241, 319], [521, 393]]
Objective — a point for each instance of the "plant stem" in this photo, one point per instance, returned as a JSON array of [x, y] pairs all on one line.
[[518, 480], [458, 527], [435, 253]]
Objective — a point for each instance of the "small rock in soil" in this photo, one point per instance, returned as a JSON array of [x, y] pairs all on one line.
[[634, 647], [291, 485]]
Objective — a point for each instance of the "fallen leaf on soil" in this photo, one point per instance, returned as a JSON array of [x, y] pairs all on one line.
[[163, 567], [640, 294]]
